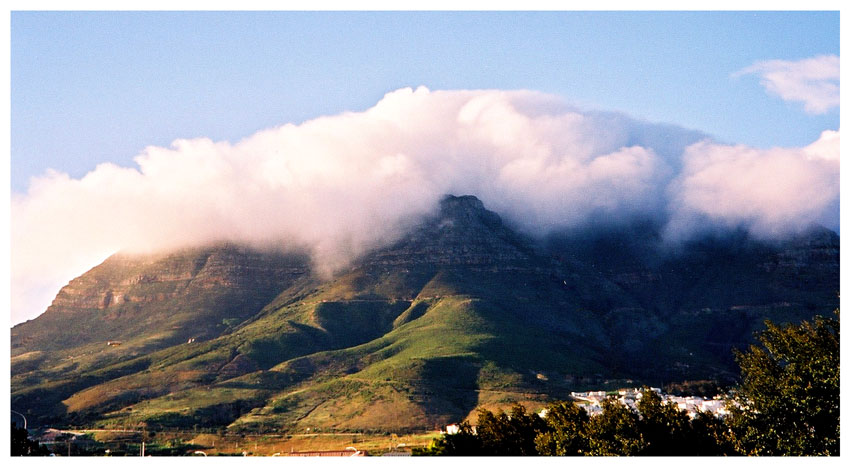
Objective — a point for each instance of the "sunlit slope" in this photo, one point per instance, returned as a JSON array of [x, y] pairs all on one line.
[[441, 354]]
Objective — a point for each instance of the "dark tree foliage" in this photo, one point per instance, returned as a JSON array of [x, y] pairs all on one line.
[[502, 434], [669, 431], [711, 436], [462, 443], [509, 434], [566, 431], [790, 391], [655, 429], [665, 429], [615, 432], [23, 446]]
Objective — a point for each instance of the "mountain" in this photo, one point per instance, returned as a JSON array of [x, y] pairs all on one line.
[[461, 312]]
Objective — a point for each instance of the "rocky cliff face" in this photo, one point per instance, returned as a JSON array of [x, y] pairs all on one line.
[[719, 271], [805, 259], [190, 292], [123, 279], [462, 234]]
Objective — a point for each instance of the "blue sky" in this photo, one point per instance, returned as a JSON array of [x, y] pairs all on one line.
[[93, 87]]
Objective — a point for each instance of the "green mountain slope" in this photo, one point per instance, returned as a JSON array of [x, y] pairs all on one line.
[[461, 312]]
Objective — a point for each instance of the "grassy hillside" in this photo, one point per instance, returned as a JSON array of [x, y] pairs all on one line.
[[354, 361]]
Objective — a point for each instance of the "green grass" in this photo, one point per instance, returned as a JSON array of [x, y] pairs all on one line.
[[339, 356]]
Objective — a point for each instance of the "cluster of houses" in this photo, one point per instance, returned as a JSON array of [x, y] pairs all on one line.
[[592, 401]]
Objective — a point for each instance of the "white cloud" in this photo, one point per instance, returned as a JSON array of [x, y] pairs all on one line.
[[341, 185], [771, 192], [812, 81]]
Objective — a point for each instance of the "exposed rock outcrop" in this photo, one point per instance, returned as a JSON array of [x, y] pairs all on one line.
[[187, 293], [462, 234]]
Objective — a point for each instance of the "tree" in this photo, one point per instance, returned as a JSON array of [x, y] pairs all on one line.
[[509, 435], [21, 445], [615, 432], [711, 436], [463, 443], [669, 431], [502, 434], [666, 430], [566, 430], [789, 393]]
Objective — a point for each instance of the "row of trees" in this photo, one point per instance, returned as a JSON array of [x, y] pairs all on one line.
[[654, 429], [787, 404]]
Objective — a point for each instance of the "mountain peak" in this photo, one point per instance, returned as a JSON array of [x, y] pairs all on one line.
[[466, 209], [467, 202], [462, 234]]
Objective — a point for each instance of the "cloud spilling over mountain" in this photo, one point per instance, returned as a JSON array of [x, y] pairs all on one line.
[[342, 185]]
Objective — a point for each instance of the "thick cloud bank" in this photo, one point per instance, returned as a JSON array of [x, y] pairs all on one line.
[[769, 192], [343, 184]]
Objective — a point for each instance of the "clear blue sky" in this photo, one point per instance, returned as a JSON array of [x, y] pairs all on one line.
[[94, 87]]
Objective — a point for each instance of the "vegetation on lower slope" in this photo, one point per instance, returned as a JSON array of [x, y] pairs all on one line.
[[444, 357]]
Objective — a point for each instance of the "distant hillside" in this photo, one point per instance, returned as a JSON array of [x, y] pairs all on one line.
[[461, 312]]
